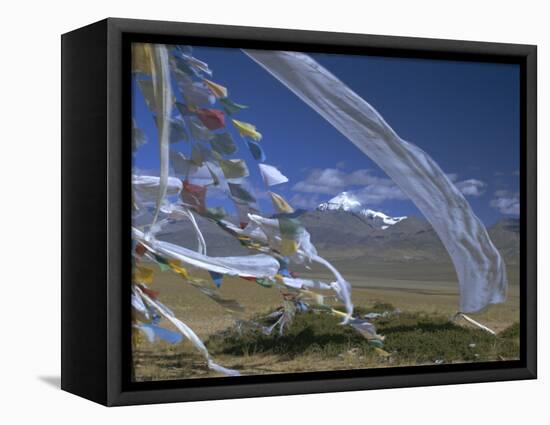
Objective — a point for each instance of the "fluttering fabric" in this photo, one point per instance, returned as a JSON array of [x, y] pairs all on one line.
[[272, 175], [162, 92], [146, 188], [480, 268], [233, 168], [231, 107], [154, 332], [256, 150], [280, 204], [193, 195], [223, 144], [198, 129], [187, 332], [240, 193], [213, 119], [258, 265], [217, 89], [247, 129]]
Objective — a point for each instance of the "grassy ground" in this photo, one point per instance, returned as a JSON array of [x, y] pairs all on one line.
[[422, 333]]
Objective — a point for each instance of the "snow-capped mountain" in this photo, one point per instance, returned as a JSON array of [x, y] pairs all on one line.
[[346, 201]]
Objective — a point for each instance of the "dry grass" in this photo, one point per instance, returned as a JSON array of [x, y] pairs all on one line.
[[422, 334]]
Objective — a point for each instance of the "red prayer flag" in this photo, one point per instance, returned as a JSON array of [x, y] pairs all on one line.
[[149, 292], [212, 119], [194, 195], [140, 249]]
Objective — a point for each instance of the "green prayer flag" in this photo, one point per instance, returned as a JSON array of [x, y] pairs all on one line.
[[231, 107], [223, 144], [241, 193], [289, 227], [234, 168]]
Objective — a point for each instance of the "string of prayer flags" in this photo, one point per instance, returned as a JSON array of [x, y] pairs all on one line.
[[256, 150], [213, 119], [272, 175], [193, 195], [234, 168], [247, 129], [218, 90], [280, 204], [231, 107], [280, 240], [223, 144], [241, 193]]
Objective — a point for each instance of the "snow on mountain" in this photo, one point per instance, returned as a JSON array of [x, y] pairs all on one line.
[[346, 201]]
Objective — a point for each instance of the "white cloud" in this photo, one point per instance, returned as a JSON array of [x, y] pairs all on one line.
[[506, 202], [368, 189], [471, 187], [452, 177], [306, 201], [381, 191]]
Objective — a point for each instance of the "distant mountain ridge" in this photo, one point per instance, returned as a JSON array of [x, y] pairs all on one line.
[[346, 235]]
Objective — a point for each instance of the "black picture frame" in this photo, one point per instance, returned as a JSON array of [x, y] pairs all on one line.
[[96, 241]]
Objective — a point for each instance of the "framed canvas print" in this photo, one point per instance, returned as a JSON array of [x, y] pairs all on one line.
[[252, 212]]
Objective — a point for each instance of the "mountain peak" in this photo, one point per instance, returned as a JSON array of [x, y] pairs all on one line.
[[348, 202], [345, 201]]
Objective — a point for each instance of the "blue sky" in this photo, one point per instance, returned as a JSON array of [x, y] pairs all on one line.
[[464, 114]]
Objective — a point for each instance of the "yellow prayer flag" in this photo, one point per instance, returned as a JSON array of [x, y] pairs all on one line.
[[246, 129], [143, 275], [216, 89], [176, 267], [280, 204], [289, 247]]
